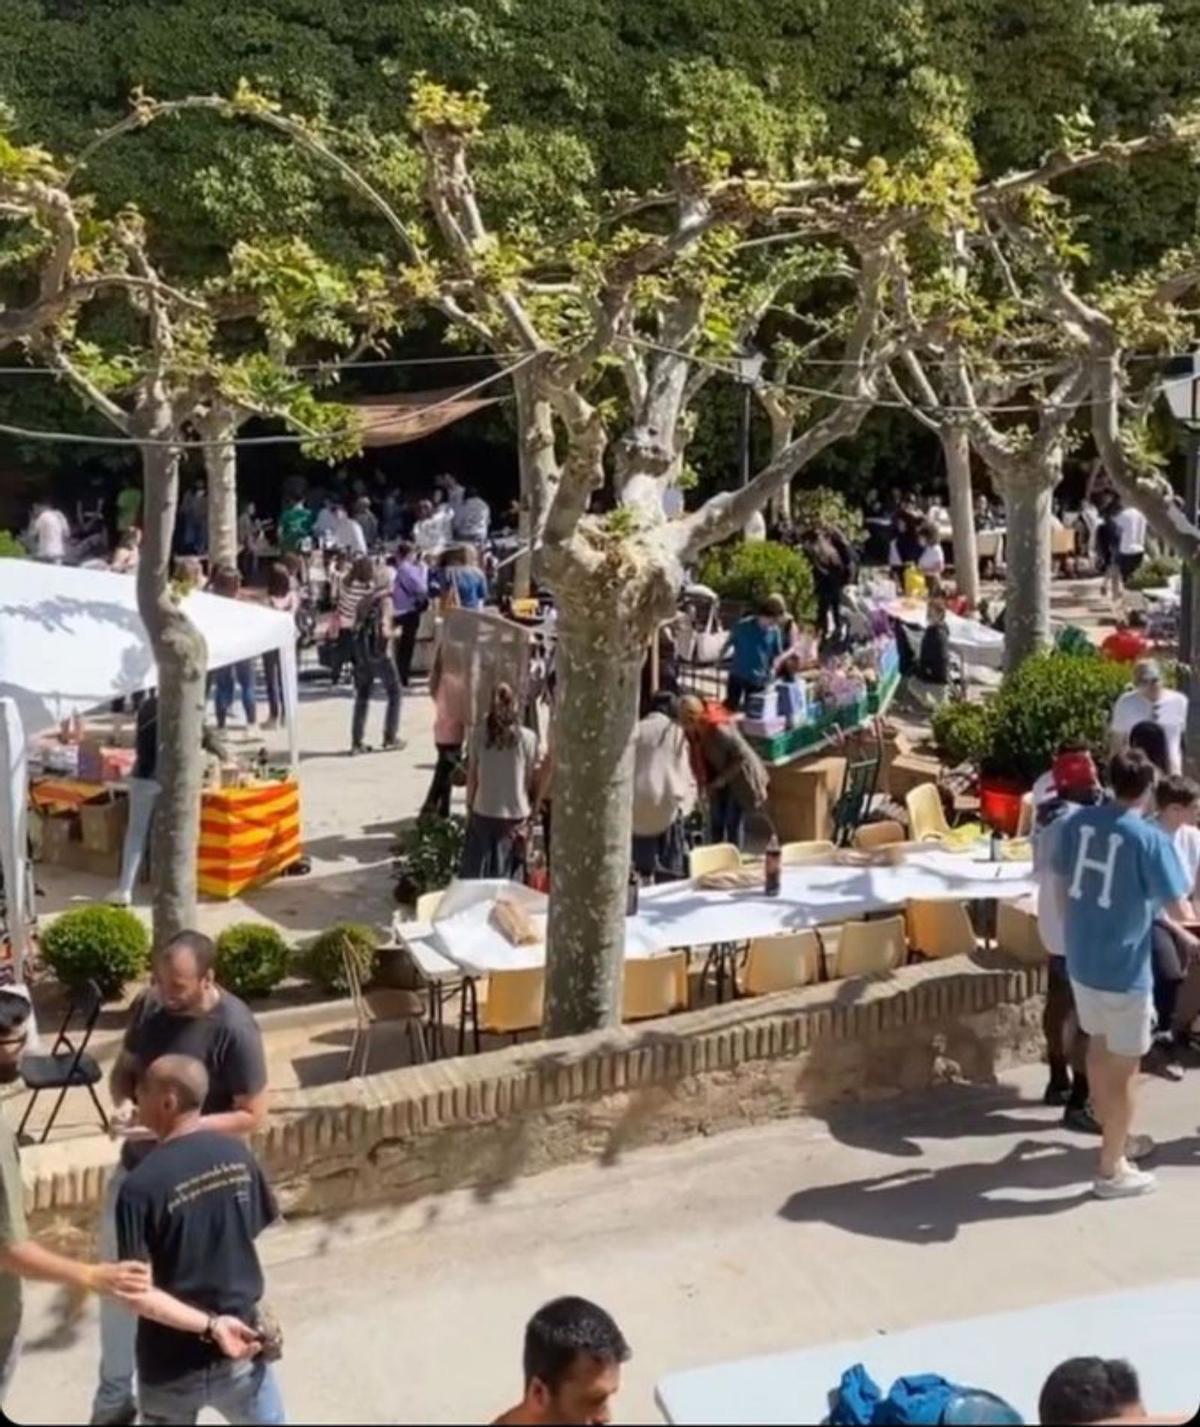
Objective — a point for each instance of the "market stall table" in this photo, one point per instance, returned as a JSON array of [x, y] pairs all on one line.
[[1007, 1354], [973, 641]]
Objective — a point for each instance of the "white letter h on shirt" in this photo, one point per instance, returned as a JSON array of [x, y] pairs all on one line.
[[1084, 863]]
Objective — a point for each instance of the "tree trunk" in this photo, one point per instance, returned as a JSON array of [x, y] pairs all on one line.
[[181, 656], [1027, 551], [782, 429], [538, 473], [956, 448], [220, 465], [609, 605]]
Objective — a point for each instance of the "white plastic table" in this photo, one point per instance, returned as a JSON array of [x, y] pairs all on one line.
[[677, 915], [1009, 1354], [973, 641]]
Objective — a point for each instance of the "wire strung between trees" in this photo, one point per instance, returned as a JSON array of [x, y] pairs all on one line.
[[332, 365], [283, 439]]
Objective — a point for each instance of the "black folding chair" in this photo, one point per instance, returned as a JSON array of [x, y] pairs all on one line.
[[854, 801], [68, 1065]]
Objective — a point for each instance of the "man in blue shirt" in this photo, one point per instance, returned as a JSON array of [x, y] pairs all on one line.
[[757, 646], [1119, 872]]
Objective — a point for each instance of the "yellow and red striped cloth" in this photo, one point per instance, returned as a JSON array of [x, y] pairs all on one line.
[[247, 835]]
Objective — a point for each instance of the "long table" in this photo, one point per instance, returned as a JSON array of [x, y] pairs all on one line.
[[678, 915]]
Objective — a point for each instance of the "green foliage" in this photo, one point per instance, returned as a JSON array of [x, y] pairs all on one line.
[[10, 547], [1050, 699], [252, 958], [1154, 572], [822, 506], [749, 572], [428, 856], [322, 957], [963, 732], [108, 945]]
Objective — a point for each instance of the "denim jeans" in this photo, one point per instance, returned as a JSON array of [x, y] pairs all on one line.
[[366, 671], [224, 680], [143, 795], [118, 1327], [242, 1392], [726, 817]]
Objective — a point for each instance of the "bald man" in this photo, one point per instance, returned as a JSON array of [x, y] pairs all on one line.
[[193, 1210]]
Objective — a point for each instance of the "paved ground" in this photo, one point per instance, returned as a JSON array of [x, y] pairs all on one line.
[[969, 1201]]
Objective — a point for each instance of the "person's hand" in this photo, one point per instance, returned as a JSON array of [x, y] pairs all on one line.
[[125, 1280], [235, 1339]]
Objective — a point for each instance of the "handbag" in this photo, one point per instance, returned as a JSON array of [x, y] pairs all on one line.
[[709, 643]]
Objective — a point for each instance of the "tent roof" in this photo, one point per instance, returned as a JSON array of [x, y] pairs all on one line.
[[408, 415], [72, 639]]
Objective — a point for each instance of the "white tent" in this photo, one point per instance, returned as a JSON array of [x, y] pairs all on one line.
[[72, 640]]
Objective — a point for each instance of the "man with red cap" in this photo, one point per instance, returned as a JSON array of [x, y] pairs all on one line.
[[1072, 782]]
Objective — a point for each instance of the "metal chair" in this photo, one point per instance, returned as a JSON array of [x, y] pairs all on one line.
[[781, 963], [379, 1005], [713, 857], [68, 1065], [854, 801]]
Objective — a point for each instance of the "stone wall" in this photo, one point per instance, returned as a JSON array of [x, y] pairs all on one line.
[[483, 1121]]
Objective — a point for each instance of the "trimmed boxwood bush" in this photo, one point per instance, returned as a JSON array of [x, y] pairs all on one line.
[[750, 572], [252, 959], [323, 955], [108, 945], [428, 856], [1051, 699]]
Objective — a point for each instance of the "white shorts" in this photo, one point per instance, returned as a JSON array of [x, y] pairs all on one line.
[[1123, 1018]]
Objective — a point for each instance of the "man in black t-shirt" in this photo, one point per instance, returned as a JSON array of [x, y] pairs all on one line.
[[193, 1209], [183, 1013]]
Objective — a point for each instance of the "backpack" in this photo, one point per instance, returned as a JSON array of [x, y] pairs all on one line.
[[370, 642]]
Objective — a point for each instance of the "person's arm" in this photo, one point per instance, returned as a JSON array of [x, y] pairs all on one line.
[[248, 1116], [27, 1259], [246, 1070], [122, 1080], [234, 1338]]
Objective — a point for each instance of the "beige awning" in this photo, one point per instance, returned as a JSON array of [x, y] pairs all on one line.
[[409, 415]]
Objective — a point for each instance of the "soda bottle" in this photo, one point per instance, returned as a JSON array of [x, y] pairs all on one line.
[[772, 867]]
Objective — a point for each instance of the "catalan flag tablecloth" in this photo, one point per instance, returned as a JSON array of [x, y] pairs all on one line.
[[247, 835]]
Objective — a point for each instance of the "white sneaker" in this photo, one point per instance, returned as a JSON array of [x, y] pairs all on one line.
[[119, 899], [1124, 1184]]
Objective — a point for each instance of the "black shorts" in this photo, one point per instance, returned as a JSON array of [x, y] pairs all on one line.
[[1129, 565]]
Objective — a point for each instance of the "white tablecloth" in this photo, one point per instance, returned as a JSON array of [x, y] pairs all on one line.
[[1008, 1354], [679, 914], [972, 641]]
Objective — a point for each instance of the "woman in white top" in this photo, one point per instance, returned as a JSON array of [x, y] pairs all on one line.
[[932, 560]]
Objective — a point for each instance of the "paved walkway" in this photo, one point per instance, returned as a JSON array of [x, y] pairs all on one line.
[[968, 1201]]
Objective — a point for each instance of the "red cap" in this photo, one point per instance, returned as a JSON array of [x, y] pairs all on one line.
[[1074, 771]]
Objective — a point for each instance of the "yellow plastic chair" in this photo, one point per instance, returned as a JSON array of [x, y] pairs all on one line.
[[781, 963], [514, 1002], [1018, 934], [940, 929], [713, 857], [654, 986], [869, 836], [871, 948], [926, 817], [814, 851], [427, 905]]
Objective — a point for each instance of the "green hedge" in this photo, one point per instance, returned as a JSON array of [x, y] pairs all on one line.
[[749, 572], [1051, 699], [323, 956], [108, 945], [252, 959]]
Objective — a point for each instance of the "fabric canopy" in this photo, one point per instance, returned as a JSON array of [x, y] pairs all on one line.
[[71, 640], [407, 416]]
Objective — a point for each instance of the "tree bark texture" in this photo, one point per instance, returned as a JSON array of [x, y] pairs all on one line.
[[181, 655], [782, 429], [1027, 505], [956, 448], [220, 465], [608, 609], [538, 472]]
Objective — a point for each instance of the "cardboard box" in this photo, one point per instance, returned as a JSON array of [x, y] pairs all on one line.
[[58, 833], [102, 824]]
